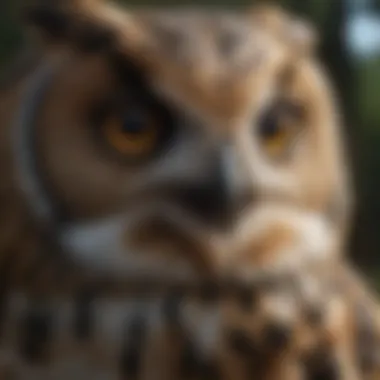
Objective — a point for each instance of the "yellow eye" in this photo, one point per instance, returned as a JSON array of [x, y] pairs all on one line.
[[135, 134], [279, 138], [278, 126]]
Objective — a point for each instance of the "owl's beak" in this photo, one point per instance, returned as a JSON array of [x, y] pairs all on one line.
[[219, 199]]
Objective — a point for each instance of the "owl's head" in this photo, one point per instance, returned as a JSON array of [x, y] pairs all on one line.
[[182, 142]]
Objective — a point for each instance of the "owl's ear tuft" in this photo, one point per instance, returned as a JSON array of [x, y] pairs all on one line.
[[302, 37], [269, 15], [50, 20], [298, 34], [69, 22]]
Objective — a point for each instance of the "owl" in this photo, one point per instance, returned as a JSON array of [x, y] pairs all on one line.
[[174, 185]]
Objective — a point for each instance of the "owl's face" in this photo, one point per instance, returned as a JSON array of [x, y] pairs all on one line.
[[183, 143]]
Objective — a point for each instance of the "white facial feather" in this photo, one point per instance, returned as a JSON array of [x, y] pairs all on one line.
[[100, 246]]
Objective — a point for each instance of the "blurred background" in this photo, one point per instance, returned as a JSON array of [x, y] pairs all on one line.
[[350, 47]]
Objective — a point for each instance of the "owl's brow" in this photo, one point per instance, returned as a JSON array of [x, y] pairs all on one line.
[[129, 72], [82, 32], [133, 79], [135, 86]]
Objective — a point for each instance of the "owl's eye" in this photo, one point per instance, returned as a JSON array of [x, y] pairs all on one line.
[[278, 126], [136, 133]]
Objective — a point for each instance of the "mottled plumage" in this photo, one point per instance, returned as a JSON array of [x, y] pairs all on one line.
[[175, 202]]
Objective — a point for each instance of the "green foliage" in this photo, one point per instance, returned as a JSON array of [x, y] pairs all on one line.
[[10, 32], [369, 88]]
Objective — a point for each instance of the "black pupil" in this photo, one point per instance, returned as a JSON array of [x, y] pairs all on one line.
[[134, 122], [269, 125]]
